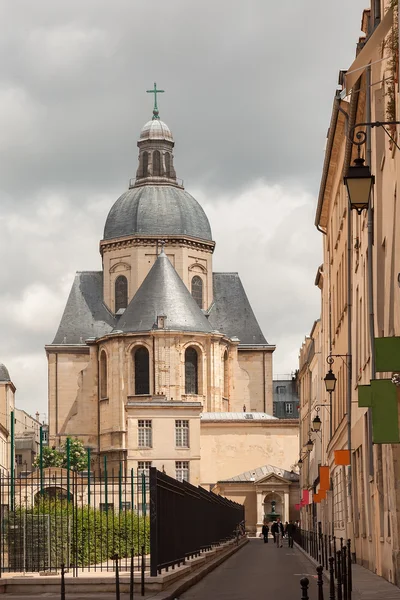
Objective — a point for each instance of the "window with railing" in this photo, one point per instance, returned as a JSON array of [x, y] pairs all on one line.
[[182, 433], [145, 433]]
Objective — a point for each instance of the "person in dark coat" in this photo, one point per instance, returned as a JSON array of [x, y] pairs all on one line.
[[291, 532], [279, 533], [265, 532], [274, 530]]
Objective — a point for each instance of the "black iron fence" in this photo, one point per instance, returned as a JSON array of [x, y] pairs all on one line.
[[81, 521], [186, 520], [334, 555], [58, 520]]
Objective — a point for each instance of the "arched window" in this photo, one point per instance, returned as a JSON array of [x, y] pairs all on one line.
[[121, 292], [167, 164], [145, 164], [226, 376], [103, 376], [156, 162], [142, 371], [197, 290], [191, 371]]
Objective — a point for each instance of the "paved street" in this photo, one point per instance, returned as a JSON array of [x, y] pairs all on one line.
[[256, 572]]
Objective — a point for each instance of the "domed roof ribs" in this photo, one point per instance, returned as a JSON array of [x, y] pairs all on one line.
[[163, 294]]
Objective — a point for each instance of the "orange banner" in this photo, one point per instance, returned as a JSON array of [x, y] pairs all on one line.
[[342, 457], [324, 478], [316, 498]]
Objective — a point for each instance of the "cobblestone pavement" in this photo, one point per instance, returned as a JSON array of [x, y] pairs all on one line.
[[256, 572]]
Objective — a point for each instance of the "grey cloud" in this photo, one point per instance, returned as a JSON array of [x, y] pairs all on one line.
[[249, 87]]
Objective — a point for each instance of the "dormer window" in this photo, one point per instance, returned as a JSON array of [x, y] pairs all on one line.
[[121, 293]]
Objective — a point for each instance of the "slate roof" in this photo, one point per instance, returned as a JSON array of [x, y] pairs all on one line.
[[157, 210], [85, 315], [163, 293], [261, 472], [4, 374], [231, 312]]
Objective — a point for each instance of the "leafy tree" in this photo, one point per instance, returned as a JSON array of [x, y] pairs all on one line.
[[77, 455], [53, 457]]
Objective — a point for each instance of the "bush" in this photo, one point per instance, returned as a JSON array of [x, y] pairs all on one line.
[[62, 532]]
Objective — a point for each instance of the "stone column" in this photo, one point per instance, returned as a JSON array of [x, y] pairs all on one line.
[[260, 511], [286, 507]]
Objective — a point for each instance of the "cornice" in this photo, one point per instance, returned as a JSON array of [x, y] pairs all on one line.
[[67, 349], [153, 241]]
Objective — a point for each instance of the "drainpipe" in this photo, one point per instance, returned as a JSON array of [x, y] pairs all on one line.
[[370, 283]]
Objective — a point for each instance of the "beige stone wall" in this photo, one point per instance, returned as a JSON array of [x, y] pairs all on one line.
[[134, 261], [254, 381], [73, 395], [164, 453], [228, 449]]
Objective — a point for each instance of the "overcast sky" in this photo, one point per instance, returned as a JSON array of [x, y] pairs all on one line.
[[249, 91]]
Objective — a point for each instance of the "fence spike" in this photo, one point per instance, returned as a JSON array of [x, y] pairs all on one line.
[[62, 581]]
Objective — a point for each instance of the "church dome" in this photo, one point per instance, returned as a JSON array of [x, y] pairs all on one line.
[[157, 210], [156, 130], [4, 374]]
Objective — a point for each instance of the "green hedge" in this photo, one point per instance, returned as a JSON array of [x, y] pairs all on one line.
[[55, 531]]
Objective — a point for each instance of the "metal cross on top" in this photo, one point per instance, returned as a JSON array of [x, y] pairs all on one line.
[[155, 91]]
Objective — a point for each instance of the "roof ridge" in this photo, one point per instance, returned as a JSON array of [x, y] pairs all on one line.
[[163, 293]]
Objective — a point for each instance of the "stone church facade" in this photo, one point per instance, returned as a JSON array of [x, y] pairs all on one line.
[[155, 350]]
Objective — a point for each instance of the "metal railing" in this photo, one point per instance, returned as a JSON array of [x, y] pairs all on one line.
[[334, 555], [186, 520], [60, 517]]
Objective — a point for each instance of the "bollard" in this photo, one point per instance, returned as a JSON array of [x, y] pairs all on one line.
[[131, 578], [339, 575], [62, 581], [142, 571], [344, 572], [320, 582], [335, 555], [117, 594], [304, 588], [330, 546], [326, 552], [331, 578], [349, 571]]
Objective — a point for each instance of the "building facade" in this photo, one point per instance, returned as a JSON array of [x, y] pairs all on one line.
[[153, 349], [358, 440], [285, 397]]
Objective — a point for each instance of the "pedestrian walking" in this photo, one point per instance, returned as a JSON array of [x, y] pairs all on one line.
[[274, 530], [265, 532], [291, 531], [279, 534]]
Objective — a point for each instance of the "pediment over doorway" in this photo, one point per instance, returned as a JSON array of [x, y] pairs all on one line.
[[272, 479]]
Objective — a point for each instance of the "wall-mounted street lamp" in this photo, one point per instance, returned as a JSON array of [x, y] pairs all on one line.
[[310, 445], [359, 182], [316, 423], [330, 379], [330, 383]]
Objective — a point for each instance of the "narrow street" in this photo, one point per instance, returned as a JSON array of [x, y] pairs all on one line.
[[258, 571]]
